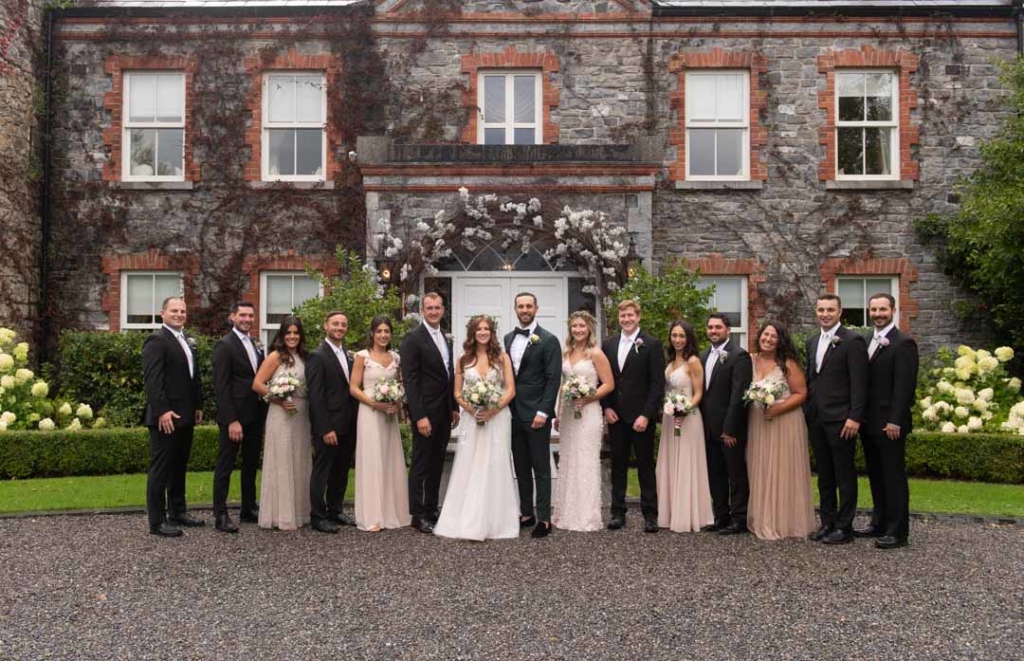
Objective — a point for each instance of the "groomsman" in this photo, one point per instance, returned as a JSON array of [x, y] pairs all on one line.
[[173, 407], [727, 374], [892, 382], [631, 409], [837, 377], [241, 415], [428, 373], [537, 364], [332, 413]]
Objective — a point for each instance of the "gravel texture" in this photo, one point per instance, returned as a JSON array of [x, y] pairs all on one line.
[[100, 587]]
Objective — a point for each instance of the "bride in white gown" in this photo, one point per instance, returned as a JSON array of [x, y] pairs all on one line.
[[481, 501]]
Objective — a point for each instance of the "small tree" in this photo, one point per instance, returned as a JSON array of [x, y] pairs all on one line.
[[663, 299]]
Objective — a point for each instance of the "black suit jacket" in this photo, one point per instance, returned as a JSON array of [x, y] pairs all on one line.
[[168, 384], [539, 376], [640, 384], [722, 407], [839, 390], [331, 406], [232, 382], [892, 382], [429, 385]]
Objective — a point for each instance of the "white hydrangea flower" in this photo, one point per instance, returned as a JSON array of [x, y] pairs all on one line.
[[46, 424], [925, 403], [963, 429], [6, 362], [75, 425], [930, 415], [964, 350], [961, 412], [7, 381], [21, 351], [84, 411], [986, 394], [8, 418], [987, 364], [944, 386], [949, 428], [964, 396], [40, 389], [980, 405], [1013, 384], [65, 409], [1004, 354], [99, 423], [24, 376], [974, 423]]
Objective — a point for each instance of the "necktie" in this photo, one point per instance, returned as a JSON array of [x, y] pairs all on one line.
[[624, 344], [442, 347], [343, 359], [188, 352], [249, 349], [875, 343], [709, 367], [823, 343]]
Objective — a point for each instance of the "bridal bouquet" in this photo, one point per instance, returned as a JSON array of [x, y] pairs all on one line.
[[282, 388], [483, 395], [678, 406], [389, 391], [577, 387], [763, 394]]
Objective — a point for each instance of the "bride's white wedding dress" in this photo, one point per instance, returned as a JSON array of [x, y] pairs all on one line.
[[481, 500]]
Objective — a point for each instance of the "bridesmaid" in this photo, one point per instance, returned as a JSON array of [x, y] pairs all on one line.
[[777, 458], [382, 493], [287, 463], [684, 494], [578, 489]]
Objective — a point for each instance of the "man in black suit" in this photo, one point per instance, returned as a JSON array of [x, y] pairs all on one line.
[[428, 372], [727, 375], [537, 364], [174, 405], [837, 378], [631, 411], [892, 382], [332, 413], [241, 415]]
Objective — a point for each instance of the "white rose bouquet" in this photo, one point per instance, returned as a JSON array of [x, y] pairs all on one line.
[[577, 387], [482, 395], [389, 391], [283, 388], [678, 406], [763, 394]]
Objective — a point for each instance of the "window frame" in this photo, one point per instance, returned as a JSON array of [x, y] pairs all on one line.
[[894, 285], [265, 326], [127, 125], [689, 124], [893, 125], [123, 304], [510, 125], [742, 329], [268, 126]]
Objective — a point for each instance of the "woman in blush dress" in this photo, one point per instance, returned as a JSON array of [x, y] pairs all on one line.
[[684, 494], [777, 459], [287, 462], [382, 492], [481, 501], [581, 426]]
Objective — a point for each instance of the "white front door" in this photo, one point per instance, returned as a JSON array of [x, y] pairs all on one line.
[[494, 294]]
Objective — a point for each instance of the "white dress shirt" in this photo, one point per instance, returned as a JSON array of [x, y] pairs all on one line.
[[250, 350], [626, 343], [442, 346], [339, 352], [519, 343], [874, 340], [713, 357], [180, 336], [823, 342]]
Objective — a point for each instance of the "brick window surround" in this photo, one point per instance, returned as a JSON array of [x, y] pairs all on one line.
[[113, 102], [755, 272], [510, 58], [904, 64], [900, 267], [256, 66], [253, 266], [152, 260], [718, 58]]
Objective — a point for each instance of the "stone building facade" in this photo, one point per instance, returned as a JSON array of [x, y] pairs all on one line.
[[782, 149]]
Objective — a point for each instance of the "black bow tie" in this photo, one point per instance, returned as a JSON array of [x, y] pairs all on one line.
[[525, 332]]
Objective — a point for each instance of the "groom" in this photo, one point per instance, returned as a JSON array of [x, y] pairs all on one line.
[[538, 371]]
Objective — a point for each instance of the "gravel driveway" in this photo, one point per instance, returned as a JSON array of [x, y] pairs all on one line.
[[100, 587]]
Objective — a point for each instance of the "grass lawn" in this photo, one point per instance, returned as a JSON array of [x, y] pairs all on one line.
[[84, 493]]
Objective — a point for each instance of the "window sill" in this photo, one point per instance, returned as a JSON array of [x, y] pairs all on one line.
[[852, 184], [153, 185], [298, 185], [719, 185]]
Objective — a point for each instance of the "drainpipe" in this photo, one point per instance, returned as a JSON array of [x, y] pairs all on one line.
[[44, 249], [1019, 14]]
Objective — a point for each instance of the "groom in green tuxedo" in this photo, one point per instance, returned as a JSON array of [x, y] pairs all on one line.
[[537, 364]]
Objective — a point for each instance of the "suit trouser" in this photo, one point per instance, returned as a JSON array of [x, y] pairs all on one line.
[[427, 464], [727, 477], [251, 445], [165, 479], [624, 438], [887, 473], [834, 458], [531, 455], [329, 480]]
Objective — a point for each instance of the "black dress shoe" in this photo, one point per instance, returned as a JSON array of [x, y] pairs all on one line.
[[734, 528], [342, 519], [252, 516], [421, 524], [432, 518], [527, 522], [651, 525], [224, 524], [542, 529], [889, 542], [870, 531], [617, 523], [838, 537], [712, 527], [820, 533], [165, 530], [186, 521], [323, 525]]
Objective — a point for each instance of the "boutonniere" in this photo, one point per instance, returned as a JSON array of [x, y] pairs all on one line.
[[723, 356], [835, 340], [534, 338], [883, 341], [349, 354], [191, 341], [449, 337], [638, 344], [257, 345]]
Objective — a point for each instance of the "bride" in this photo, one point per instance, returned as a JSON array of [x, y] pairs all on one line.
[[481, 501]]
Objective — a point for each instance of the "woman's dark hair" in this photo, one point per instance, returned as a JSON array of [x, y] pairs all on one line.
[[468, 358], [785, 351], [375, 323], [691, 341], [278, 343]]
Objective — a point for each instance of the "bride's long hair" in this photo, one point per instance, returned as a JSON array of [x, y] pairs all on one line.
[[468, 358], [570, 341]]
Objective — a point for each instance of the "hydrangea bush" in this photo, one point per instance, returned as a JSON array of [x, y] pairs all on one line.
[[25, 399], [971, 392]]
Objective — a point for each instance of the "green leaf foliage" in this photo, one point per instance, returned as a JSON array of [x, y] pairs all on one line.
[[663, 298]]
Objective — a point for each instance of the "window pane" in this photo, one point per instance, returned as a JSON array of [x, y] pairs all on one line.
[[140, 306], [852, 293], [494, 136], [164, 286], [702, 152], [729, 296], [280, 99], [878, 286], [143, 152], [309, 145], [878, 151], [851, 153], [851, 96], [305, 289], [730, 152], [853, 317], [281, 152], [879, 97], [730, 97], [141, 98], [170, 152], [700, 98], [525, 99], [279, 294], [169, 99], [309, 90], [494, 100], [525, 137]]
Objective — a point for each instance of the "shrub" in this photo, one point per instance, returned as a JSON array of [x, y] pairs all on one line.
[[968, 393], [663, 298]]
